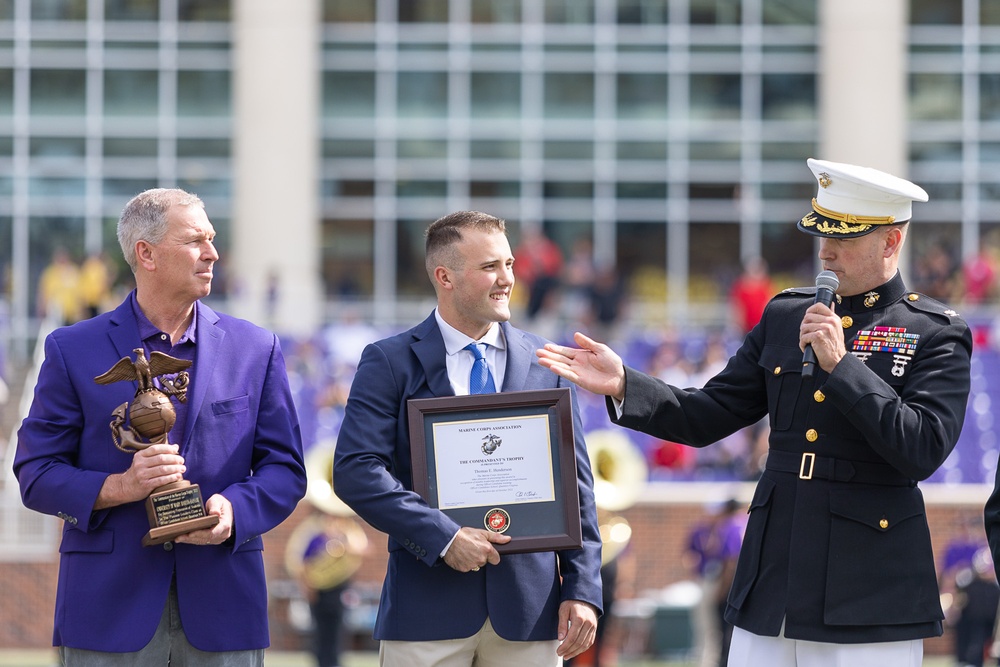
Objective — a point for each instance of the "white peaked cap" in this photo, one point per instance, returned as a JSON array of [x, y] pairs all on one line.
[[851, 200]]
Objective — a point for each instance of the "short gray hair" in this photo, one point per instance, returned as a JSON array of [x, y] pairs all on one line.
[[144, 218]]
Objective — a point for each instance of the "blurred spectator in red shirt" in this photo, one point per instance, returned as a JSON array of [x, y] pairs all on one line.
[[750, 293], [539, 263], [978, 274]]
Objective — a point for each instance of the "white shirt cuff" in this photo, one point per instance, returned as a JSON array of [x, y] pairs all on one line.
[[448, 546]]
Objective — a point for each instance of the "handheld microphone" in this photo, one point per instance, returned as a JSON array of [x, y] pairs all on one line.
[[826, 288]]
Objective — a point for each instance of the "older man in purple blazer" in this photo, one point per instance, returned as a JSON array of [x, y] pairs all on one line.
[[199, 598]]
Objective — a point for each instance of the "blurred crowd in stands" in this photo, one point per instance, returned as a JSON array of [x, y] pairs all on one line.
[[967, 281], [576, 289], [69, 292], [562, 295]]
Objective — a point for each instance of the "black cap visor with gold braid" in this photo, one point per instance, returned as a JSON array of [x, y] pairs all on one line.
[[832, 224]]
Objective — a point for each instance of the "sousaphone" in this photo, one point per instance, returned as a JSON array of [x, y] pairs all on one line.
[[620, 474], [326, 549]]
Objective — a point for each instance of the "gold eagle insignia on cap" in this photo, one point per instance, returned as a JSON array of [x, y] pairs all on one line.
[[824, 180], [841, 228]]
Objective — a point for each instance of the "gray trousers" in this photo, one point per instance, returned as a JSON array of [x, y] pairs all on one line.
[[168, 646]]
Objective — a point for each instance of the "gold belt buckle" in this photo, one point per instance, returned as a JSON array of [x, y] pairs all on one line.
[[805, 473]]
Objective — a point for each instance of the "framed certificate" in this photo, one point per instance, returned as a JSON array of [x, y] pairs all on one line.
[[505, 462]]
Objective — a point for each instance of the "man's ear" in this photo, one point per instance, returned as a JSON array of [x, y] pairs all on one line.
[[144, 255], [893, 242], [442, 277]]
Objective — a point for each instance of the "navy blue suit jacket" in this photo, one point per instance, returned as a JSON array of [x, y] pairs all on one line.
[[422, 597], [241, 440]]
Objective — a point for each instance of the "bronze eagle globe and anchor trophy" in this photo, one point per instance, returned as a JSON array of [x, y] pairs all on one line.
[[173, 509]]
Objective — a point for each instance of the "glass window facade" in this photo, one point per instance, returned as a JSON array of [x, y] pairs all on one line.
[[672, 134], [675, 132], [99, 113], [954, 120], [588, 120]]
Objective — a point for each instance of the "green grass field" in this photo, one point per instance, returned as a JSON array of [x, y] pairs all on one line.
[[42, 658]]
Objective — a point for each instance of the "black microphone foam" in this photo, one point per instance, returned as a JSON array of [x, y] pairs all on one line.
[[826, 288]]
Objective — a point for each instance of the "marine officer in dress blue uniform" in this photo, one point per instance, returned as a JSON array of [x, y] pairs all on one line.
[[836, 567]]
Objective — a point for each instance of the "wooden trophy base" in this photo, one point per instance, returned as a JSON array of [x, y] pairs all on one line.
[[174, 510], [168, 533]]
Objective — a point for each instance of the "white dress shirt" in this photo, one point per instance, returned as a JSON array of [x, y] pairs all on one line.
[[459, 363], [459, 360]]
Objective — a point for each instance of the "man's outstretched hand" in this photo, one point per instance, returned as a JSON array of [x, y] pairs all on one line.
[[593, 366]]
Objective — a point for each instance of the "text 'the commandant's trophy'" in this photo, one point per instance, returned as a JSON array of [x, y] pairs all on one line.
[[173, 509]]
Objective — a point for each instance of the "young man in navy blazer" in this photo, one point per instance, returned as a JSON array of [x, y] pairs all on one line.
[[448, 596]]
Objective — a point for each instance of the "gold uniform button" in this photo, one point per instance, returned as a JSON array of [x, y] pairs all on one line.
[[819, 396], [883, 524], [812, 435], [913, 297], [847, 321], [777, 370]]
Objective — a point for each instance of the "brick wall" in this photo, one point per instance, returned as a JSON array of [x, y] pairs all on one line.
[[652, 561], [28, 591]]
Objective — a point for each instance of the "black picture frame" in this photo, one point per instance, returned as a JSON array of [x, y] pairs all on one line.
[[549, 525]]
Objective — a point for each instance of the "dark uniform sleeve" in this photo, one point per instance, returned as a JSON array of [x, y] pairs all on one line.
[[733, 399], [992, 516]]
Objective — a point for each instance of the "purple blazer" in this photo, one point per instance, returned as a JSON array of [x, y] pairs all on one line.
[[241, 439]]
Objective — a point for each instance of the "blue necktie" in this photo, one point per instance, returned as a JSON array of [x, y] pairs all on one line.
[[480, 379]]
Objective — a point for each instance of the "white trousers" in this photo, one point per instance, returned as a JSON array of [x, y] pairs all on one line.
[[484, 649], [750, 650]]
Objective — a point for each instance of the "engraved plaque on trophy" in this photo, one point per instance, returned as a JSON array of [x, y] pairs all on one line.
[[173, 509]]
